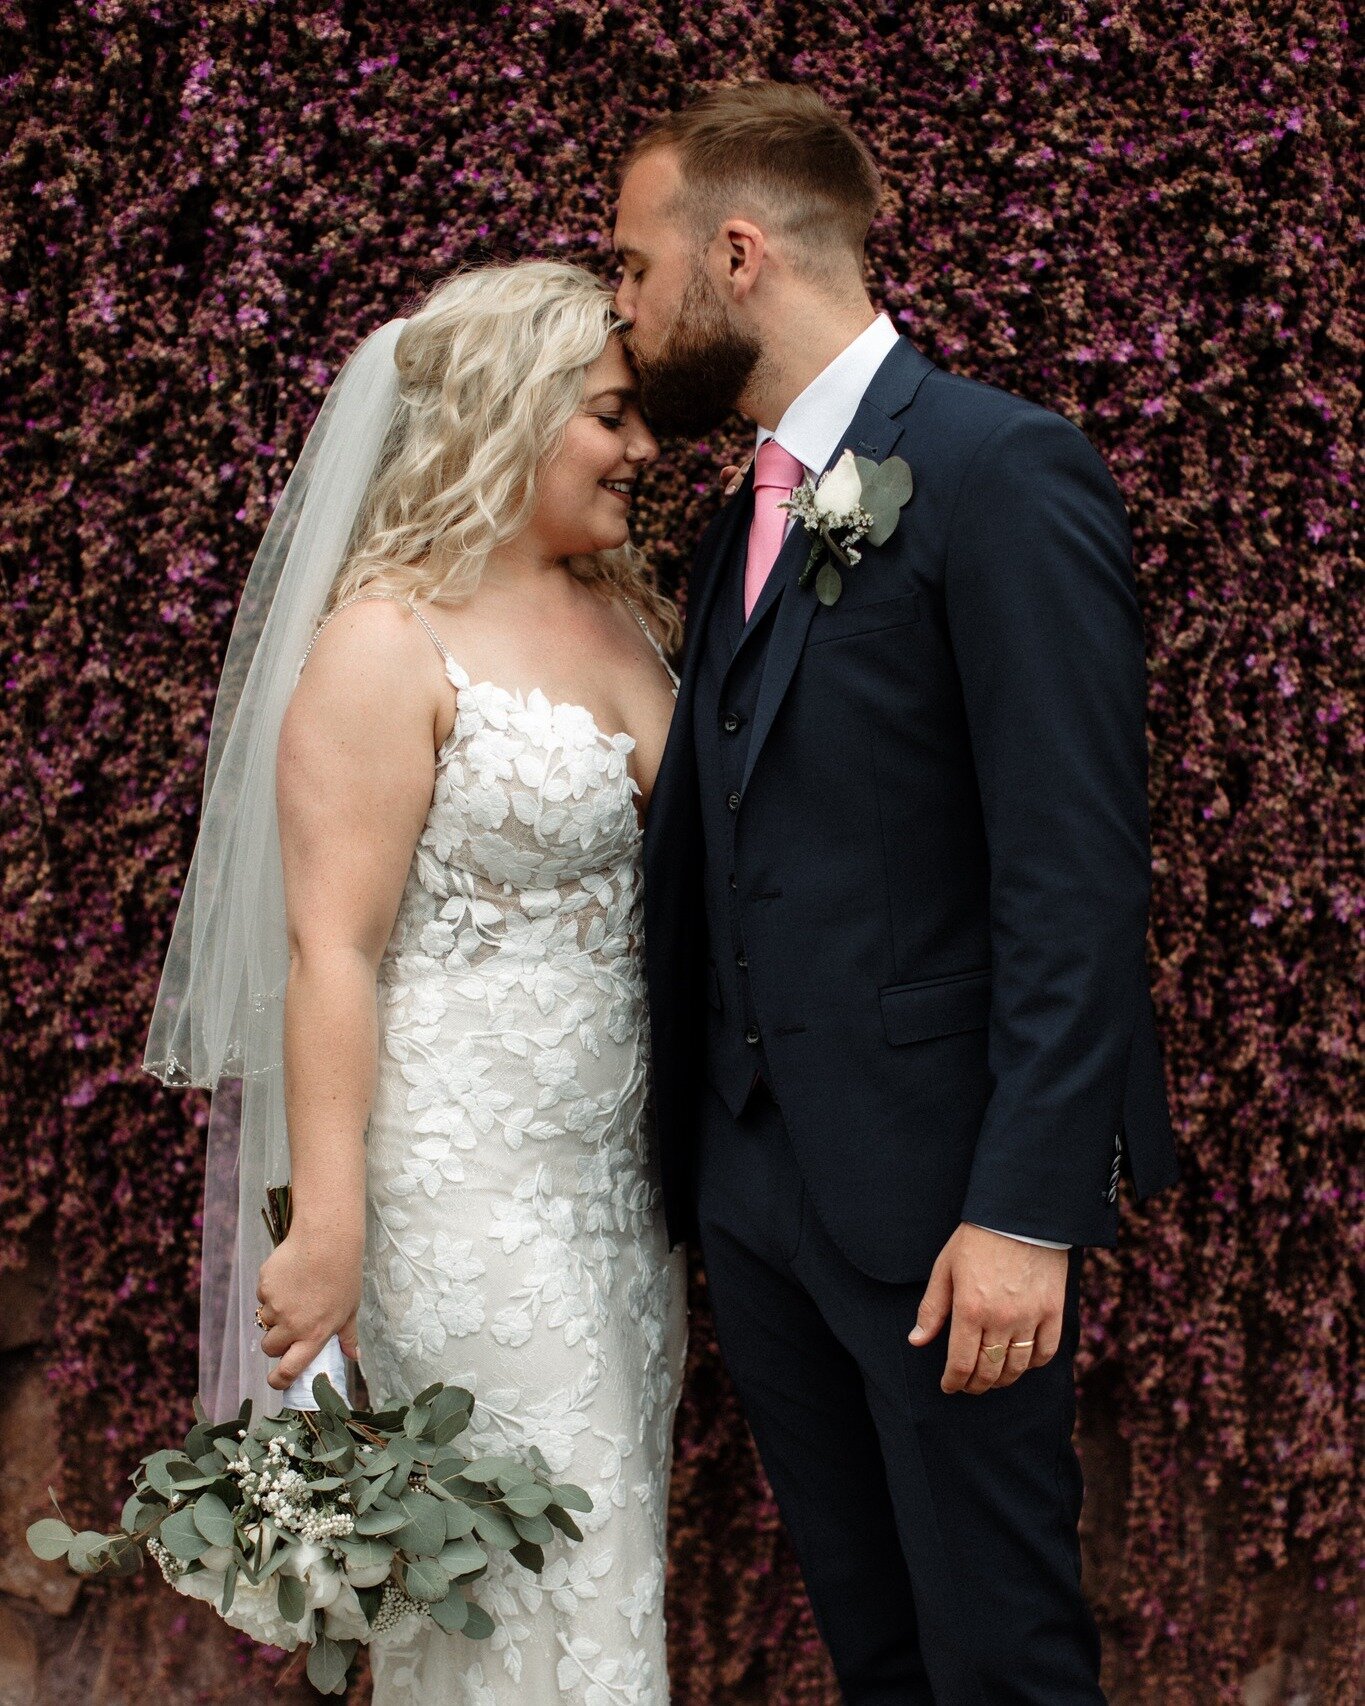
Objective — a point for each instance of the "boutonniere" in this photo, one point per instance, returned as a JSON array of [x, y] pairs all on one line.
[[855, 499]]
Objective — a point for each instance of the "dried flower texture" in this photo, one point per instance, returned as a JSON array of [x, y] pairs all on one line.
[[1148, 218]]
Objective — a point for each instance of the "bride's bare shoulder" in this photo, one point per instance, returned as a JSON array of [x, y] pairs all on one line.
[[379, 630], [370, 672]]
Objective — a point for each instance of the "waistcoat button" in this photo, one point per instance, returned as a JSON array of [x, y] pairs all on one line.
[[731, 723], [732, 800], [751, 1035]]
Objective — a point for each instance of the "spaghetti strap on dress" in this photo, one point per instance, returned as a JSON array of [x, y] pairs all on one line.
[[649, 635], [360, 598]]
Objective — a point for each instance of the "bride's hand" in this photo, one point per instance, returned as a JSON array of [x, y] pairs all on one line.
[[309, 1288], [732, 477]]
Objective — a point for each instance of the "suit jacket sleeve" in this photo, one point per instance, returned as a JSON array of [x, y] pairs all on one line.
[[1047, 635]]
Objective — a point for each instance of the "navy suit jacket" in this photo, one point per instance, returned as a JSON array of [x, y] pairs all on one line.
[[941, 847]]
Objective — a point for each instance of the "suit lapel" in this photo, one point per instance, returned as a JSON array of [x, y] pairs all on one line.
[[874, 431], [678, 764], [733, 527]]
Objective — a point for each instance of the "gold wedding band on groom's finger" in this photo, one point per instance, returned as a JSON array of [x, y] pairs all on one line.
[[1021, 1344]]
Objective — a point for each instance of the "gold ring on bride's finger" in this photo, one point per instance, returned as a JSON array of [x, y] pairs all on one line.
[[1021, 1344], [996, 1353], [259, 1319]]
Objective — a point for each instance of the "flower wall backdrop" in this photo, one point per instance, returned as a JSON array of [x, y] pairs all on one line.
[[1147, 218]]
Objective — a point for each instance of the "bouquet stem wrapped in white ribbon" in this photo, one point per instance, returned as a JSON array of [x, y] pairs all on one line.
[[331, 1361], [277, 1212]]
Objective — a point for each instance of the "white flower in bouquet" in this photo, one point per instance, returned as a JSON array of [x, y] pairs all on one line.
[[263, 1537], [360, 1575], [345, 1617], [256, 1612], [317, 1570], [201, 1584]]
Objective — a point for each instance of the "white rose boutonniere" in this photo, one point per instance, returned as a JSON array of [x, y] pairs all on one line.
[[855, 499]]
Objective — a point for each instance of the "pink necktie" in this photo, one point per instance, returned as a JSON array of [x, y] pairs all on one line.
[[777, 474]]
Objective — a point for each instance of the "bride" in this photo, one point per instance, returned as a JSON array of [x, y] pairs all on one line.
[[463, 755]]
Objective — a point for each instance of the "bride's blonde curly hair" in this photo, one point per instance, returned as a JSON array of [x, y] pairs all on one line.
[[491, 370]]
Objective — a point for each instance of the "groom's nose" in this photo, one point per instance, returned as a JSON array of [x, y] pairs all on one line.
[[623, 299]]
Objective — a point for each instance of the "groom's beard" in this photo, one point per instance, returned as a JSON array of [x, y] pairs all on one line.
[[705, 362]]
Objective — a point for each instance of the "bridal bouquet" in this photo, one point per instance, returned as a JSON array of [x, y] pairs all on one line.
[[335, 1526]]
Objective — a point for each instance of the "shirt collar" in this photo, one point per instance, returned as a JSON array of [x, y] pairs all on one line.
[[817, 419]]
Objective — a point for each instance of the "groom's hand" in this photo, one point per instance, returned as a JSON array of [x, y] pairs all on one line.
[[999, 1291]]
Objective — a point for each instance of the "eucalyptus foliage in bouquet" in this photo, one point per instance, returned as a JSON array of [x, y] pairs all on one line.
[[335, 1526]]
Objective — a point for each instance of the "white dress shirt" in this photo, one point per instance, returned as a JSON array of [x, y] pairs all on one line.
[[810, 430], [817, 419]]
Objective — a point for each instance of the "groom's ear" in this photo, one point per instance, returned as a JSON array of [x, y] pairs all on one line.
[[746, 249]]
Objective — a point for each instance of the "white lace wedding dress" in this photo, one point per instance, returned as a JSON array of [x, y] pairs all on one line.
[[515, 1240]]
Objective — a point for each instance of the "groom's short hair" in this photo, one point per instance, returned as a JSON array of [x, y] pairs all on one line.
[[780, 146]]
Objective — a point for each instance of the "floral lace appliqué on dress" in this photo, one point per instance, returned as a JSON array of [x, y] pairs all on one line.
[[515, 1239]]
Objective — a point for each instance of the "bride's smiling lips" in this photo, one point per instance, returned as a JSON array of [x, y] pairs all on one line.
[[614, 487]]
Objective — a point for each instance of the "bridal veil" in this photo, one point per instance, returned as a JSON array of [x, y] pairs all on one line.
[[218, 1017]]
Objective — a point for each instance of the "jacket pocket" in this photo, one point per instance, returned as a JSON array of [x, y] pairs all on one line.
[[836, 623], [936, 1007]]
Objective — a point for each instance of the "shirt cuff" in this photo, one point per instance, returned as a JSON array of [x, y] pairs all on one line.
[[1047, 1243]]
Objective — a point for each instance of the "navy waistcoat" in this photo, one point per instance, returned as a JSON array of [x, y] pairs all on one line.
[[728, 682]]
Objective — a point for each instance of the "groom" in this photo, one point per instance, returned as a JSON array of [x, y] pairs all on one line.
[[896, 890]]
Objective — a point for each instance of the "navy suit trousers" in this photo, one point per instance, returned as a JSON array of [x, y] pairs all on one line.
[[936, 1532]]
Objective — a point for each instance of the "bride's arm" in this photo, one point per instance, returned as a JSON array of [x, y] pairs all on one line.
[[355, 771]]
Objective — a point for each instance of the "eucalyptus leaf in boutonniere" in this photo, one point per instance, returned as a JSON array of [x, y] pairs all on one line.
[[855, 499]]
